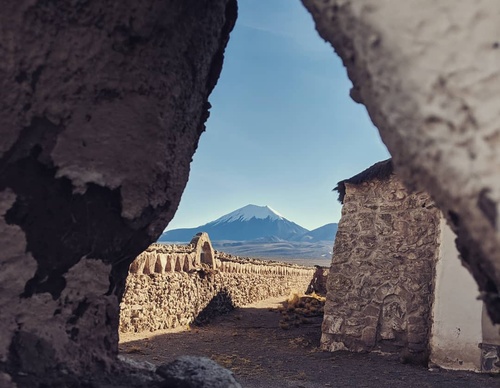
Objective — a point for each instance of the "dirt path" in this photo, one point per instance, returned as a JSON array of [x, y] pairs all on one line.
[[250, 342]]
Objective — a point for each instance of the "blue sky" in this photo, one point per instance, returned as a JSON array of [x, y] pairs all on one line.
[[282, 129]]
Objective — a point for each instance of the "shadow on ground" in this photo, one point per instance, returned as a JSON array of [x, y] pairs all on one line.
[[250, 342], [220, 304]]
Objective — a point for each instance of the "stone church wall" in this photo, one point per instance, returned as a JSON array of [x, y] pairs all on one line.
[[381, 278], [169, 286]]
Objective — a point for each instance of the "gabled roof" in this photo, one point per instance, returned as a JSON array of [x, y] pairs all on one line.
[[381, 170]]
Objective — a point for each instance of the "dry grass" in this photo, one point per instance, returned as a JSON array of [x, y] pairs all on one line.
[[299, 342], [299, 309]]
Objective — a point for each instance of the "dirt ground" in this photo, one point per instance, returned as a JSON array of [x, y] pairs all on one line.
[[250, 342]]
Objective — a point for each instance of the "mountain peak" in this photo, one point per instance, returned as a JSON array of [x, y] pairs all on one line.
[[248, 212], [244, 224]]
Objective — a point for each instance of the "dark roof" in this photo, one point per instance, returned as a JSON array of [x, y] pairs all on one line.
[[381, 170]]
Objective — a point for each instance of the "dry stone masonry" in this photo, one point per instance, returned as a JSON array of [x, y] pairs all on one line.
[[170, 285], [381, 278], [396, 283]]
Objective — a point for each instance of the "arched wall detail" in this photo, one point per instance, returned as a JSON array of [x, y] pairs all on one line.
[[204, 252]]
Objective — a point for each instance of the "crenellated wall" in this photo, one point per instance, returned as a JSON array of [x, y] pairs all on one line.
[[174, 285]]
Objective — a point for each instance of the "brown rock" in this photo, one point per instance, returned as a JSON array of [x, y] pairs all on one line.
[[84, 87]]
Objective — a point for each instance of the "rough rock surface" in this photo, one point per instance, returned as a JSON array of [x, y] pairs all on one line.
[[428, 74], [102, 105]]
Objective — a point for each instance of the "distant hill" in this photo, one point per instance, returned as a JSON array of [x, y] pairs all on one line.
[[323, 233], [280, 249]]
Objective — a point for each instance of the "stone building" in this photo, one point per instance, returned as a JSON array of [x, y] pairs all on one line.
[[396, 284]]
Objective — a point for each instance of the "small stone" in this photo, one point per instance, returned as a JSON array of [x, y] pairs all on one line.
[[196, 372]]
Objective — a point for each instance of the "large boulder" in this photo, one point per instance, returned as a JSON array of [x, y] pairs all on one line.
[[428, 74], [102, 105]]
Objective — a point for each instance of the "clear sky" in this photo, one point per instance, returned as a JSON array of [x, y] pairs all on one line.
[[282, 130]]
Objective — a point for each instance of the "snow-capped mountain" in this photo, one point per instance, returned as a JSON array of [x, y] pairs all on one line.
[[248, 212], [247, 223], [260, 231]]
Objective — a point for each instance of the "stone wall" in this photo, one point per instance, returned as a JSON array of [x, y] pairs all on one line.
[[170, 286], [381, 278]]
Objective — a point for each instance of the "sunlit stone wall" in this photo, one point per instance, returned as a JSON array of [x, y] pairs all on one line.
[[168, 286], [381, 278]]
